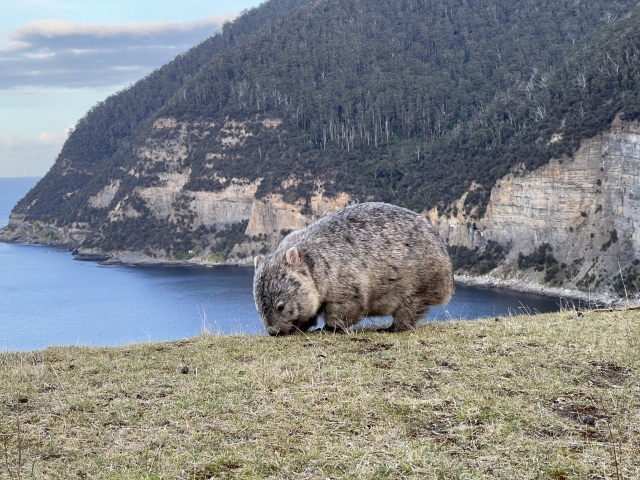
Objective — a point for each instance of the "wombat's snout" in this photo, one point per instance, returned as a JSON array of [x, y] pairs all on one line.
[[273, 331], [280, 330]]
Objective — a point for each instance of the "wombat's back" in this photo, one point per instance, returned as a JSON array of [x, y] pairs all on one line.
[[378, 250]]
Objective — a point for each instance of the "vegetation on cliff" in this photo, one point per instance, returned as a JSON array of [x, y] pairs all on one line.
[[475, 261], [551, 396], [103, 141], [410, 102]]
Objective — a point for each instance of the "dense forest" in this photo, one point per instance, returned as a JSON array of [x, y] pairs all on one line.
[[411, 102], [406, 101]]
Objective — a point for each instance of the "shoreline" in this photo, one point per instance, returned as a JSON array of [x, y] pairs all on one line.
[[514, 284], [528, 286], [141, 260]]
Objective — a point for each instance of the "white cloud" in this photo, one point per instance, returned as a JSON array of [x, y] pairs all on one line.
[[128, 68], [40, 56], [13, 142], [64, 28], [52, 138], [60, 61], [8, 142], [24, 157], [60, 53], [14, 46]]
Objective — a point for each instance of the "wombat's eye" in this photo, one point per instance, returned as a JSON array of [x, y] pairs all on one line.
[[280, 308]]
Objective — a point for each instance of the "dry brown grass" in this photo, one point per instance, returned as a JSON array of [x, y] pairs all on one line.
[[551, 396]]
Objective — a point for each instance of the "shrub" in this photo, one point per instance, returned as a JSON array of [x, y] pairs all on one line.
[[476, 262]]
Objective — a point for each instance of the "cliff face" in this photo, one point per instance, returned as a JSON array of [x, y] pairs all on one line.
[[587, 208], [490, 120], [158, 194], [272, 218]]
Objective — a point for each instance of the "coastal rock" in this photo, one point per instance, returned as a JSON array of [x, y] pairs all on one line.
[[532, 285], [26, 232], [587, 208]]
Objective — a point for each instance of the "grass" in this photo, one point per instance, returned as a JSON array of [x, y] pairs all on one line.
[[552, 396]]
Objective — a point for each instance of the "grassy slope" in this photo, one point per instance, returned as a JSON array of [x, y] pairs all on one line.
[[482, 399]]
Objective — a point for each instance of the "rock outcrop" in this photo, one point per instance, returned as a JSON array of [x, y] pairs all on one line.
[[587, 208], [161, 197], [26, 232]]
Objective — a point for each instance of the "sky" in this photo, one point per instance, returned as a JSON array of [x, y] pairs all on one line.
[[58, 58]]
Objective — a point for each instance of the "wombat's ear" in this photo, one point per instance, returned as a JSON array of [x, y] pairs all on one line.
[[257, 260], [293, 257]]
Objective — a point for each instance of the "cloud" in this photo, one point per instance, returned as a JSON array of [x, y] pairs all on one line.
[[63, 54], [52, 138], [9, 142], [14, 46], [62, 28], [16, 142], [24, 157]]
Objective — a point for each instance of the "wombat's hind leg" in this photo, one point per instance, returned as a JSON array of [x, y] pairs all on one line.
[[407, 315]]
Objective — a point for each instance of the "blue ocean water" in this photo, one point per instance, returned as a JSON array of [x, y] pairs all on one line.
[[47, 298]]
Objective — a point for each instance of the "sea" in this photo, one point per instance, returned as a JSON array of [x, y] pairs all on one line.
[[48, 298]]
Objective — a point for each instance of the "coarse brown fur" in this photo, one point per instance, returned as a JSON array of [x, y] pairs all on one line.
[[369, 259]]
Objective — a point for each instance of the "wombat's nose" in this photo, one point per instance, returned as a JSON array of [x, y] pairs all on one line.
[[273, 331]]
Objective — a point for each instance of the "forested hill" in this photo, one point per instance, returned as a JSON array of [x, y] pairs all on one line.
[[407, 101], [104, 137]]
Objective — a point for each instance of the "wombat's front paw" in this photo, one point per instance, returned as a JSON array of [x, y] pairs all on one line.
[[384, 329], [327, 329]]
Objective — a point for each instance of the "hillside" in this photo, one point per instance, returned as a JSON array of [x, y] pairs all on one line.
[[551, 396], [300, 107]]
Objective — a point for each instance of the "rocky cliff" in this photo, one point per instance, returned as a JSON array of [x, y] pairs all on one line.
[[515, 129], [161, 198], [585, 208], [584, 212]]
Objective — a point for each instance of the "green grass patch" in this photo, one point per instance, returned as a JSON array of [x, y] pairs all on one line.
[[548, 396]]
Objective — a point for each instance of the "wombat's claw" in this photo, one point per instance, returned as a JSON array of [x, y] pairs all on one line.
[[327, 329]]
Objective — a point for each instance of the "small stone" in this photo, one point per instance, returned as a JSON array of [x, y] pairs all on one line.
[[184, 370], [589, 421]]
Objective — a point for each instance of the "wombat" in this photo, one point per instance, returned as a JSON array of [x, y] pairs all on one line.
[[369, 259]]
